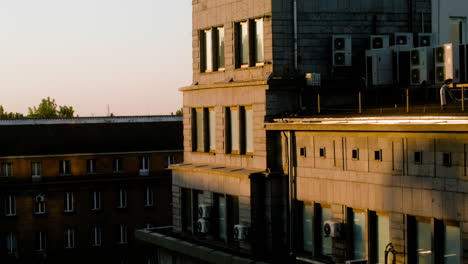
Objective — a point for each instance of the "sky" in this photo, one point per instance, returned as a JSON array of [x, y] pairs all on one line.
[[129, 56]]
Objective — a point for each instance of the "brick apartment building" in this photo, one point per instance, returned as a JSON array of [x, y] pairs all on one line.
[[73, 190], [255, 187]]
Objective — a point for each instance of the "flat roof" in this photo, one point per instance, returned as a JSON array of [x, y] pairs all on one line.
[[92, 120]]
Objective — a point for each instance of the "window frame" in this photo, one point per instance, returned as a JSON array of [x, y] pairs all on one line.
[[36, 169], [378, 155], [123, 234], [149, 197], [41, 241], [96, 200], [117, 165], [7, 169], [242, 46], [144, 165], [91, 166], [11, 243], [122, 201], [323, 152], [65, 167], [355, 154], [69, 238], [69, 202], [418, 157], [96, 235], [39, 206], [10, 205]]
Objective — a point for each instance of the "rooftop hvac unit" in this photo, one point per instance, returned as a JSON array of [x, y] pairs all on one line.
[[422, 65], [403, 40], [379, 41], [204, 211], [332, 229], [40, 198], [203, 226], [342, 50], [240, 232], [356, 261], [425, 39], [446, 60], [379, 67]]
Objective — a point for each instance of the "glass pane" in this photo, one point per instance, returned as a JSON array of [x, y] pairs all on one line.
[[234, 130], [221, 47], [307, 214], [326, 241], [221, 216], [359, 227], [244, 43], [208, 51], [423, 243], [249, 130], [455, 32], [212, 124], [259, 40], [383, 237], [452, 245], [199, 122]]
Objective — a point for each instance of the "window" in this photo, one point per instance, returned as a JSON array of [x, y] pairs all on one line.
[[122, 199], [39, 204], [41, 241], [322, 153], [10, 205], [117, 165], [144, 165], [226, 215], [239, 129], [221, 216], [123, 236], [249, 43], [324, 214], [7, 170], [258, 41], [378, 155], [69, 238], [452, 244], [220, 48], [212, 49], [203, 129], [186, 197], [418, 157], [447, 159], [307, 227], [303, 152], [457, 29], [64, 167], [169, 160], [248, 129], [379, 229], [358, 221], [36, 170], [96, 235], [91, 166], [419, 240], [96, 201], [242, 50], [68, 202], [11, 244], [355, 154], [212, 129], [149, 197], [207, 59]]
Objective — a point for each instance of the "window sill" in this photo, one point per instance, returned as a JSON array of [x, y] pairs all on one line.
[[213, 72], [204, 152], [257, 66], [40, 214]]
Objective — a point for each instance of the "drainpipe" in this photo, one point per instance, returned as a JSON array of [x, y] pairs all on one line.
[[295, 34], [291, 188]]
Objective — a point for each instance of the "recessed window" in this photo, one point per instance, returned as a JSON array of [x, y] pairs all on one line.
[[122, 198], [322, 153], [379, 229], [36, 170], [7, 170], [212, 49], [447, 159], [303, 152], [96, 201], [258, 41], [68, 202], [418, 157], [96, 235], [41, 241], [212, 129], [144, 165], [69, 238], [91, 166], [11, 244], [64, 167], [169, 160], [117, 165], [355, 154], [239, 130], [40, 204], [149, 197], [10, 205], [249, 43], [123, 236], [358, 233], [378, 155], [324, 213], [242, 41], [307, 227]]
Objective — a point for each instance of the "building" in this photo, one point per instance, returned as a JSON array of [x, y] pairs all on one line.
[[449, 19], [73, 190], [240, 198]]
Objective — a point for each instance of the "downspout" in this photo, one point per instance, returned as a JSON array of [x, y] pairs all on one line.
[[295, 34], [291, 188]]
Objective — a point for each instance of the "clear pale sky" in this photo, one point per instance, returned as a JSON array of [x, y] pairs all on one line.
[[132, 55]]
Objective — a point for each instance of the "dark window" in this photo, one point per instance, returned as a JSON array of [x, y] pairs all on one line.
[[144, 165], [117, 164], [322, 153], [378, 155], [447, 159], [418, 157], [64, 167], [303, 152], [91, 166], [355, 154]]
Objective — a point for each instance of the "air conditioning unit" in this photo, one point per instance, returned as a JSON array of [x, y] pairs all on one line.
[[425, 39], [342, 50], [403, 40], [379, 67], [332, 229], [446, 62], [422, 65], [203, 226], [40, 198], [241, 232], [356, 261], [379, 41], [204, 211]]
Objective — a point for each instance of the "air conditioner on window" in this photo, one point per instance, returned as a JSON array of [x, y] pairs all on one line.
[[40, 198], [342, 50], [204, 211], [403, 40], [425, 39], [203, 226], [379, 67], [446, 60], [241, 232], [332, 229], [356, 261], [422, 65], [379, 41]]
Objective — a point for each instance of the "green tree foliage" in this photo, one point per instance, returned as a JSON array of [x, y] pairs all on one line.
[[179, 112], [48, 109], [9, 115]]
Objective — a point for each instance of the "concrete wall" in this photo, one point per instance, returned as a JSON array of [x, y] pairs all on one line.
[[442, 11]]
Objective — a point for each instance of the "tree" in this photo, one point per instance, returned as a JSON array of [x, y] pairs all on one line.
[[179, 112], [66, 112], [9, 115], [48, 109]]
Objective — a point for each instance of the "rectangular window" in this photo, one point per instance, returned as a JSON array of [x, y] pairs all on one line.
[[452, 244], [36, 169], [378, 155], [41, 241], [96, 201], [418, 157], [69, 238], [379, 229], [358, 220], [96, 235], [242, 40], [322, 153], [149, 197], [212, 129], [91, 166], [64, 167], [186, 197], [10, 205], [117, 165], [307, 227], [220, 48], [457, 28], [68, 202], [122, 198], [11, 244], [144, 165], [447, 159], [419, 240], [123, 236], [259, 41], [248, 130], [7, 170], [169, 160], [208, 50], [324, 213], [355, 154], [39, 204], [221, 215], [233, 131]]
